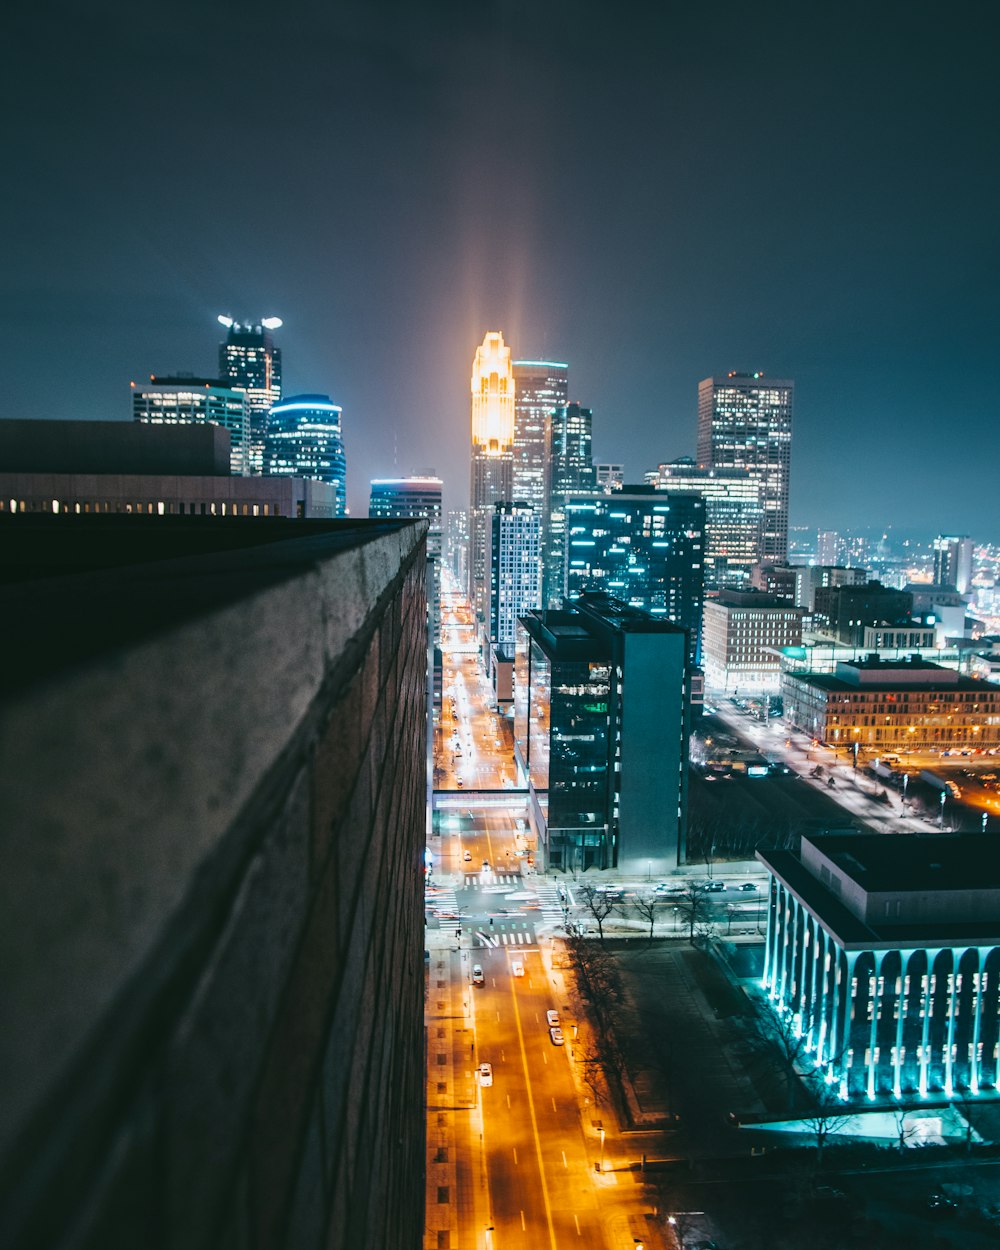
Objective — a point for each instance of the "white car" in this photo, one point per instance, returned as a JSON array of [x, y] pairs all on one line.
[[517, 968], [552, 1019], [485, 1074], [557, 1037], [467, 857]]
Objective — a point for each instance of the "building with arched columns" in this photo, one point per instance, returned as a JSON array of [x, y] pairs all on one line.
[[886, 951]]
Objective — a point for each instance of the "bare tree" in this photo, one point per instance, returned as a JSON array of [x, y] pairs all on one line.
[[769, 1031], [905, 1128], [592, 1070], [598, 905], [693, 905], [966, 1100], [827, 1117], [647, 907]]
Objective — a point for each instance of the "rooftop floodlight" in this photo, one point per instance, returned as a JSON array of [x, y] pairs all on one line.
[[225, 321], [271, 323]]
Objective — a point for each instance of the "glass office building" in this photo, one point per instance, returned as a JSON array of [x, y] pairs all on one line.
[[570, 469], [734, 518], [643, 546], [745, 422], [182, 399], [305, 439], [541, 386], [600, 735], [250, 362]]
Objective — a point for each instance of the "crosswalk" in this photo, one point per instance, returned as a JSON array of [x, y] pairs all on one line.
[[443, 902], [489, 878], [550, 903], [507, 935]]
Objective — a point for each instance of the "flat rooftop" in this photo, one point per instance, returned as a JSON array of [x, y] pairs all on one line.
[[934, 682], [918, 863], [924, 862]]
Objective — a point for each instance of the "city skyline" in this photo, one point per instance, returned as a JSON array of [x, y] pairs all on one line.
[[823, 242]]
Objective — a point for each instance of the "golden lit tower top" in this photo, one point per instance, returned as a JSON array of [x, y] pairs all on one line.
[[492, 397]]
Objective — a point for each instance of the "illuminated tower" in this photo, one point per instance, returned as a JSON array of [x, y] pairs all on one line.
[[492, 454], [250, 362], [745, 422]]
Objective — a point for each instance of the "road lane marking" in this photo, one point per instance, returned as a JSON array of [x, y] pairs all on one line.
[[534, 1123], [577, 1223], [565, 1164], [508, 1102], [554, 1110], [524, 1227]]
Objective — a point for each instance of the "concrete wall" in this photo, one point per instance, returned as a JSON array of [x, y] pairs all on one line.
[[211, 905], [654, 754]]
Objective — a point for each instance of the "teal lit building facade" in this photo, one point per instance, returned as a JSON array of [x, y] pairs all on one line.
[[642, 546], [305, 439], [885, 952], [569, 469], [600, 735]]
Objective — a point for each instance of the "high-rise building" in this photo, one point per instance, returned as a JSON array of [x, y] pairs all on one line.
[[515, 585], [250, 362], [600, 735], [734, 517], [953, 562], [416, 498], [610, 477], [492, 388], [457, 545], [541, 386], [305, 439], [183, 399], [745, 422], [643, 546], [570, 468], [829, 547]]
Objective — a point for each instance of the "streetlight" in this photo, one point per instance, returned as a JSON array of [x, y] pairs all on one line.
[[649, 870], [941, 817], [985, 818], [600, 1166]]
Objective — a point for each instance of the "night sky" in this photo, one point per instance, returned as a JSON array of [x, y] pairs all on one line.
[[651, 192]]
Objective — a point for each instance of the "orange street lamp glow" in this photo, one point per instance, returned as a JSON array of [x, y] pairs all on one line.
[[493, 396]]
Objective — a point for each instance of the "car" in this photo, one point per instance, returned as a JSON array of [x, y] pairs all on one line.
[[517, 968], [477, 975], [485, 1071], [460, 783], [748, 887], [486, 865], [467, 857], [556, 1037], [941, 1204], [713, 887], [552, 1019]]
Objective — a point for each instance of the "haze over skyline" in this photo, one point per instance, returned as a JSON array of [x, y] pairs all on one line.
[[653, 202]]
